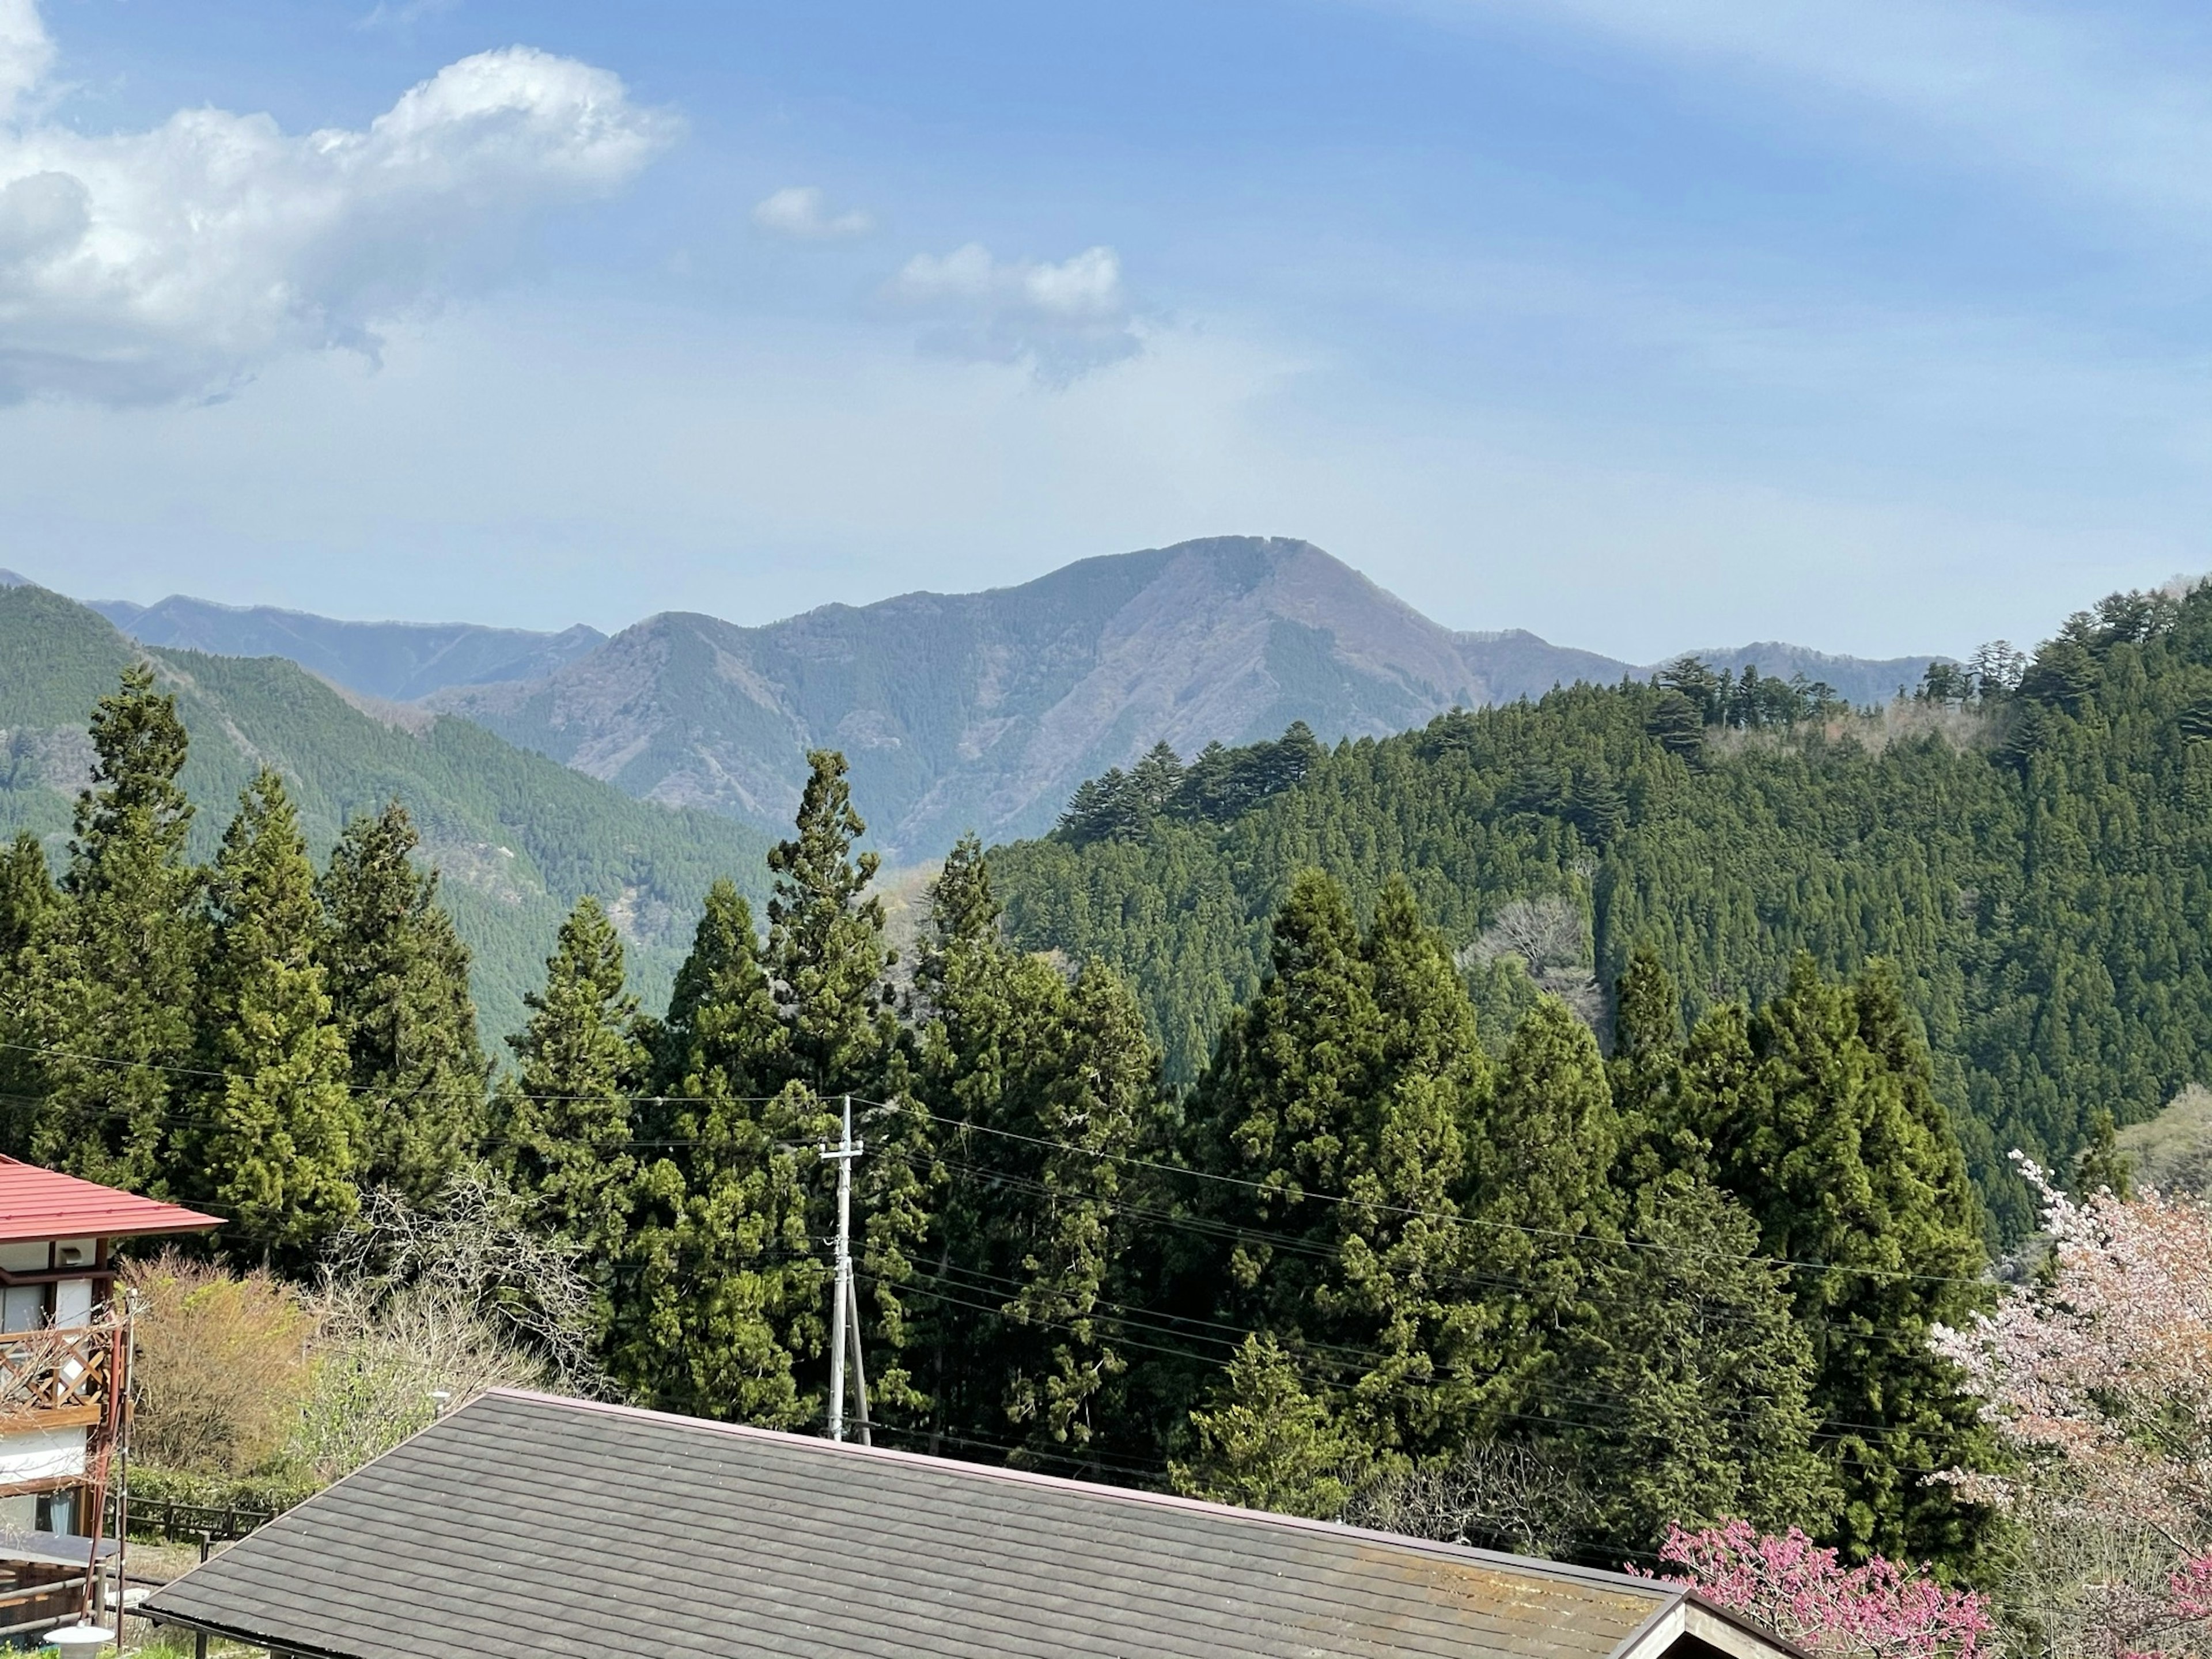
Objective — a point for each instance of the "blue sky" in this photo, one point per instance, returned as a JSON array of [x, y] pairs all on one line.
[[1881, 326]]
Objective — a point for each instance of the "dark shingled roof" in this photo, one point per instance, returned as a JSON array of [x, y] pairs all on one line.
[[523, 1525]]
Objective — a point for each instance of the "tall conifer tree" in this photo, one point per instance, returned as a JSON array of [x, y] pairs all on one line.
[[729, 1283], [1831, 1137], [1341, 1100], [399, 979], [27, 900], [1544, 1210], [1098, 1111], [112, 981], [276, 1142], [1685, 1396], [827, 960], [565, 1117]]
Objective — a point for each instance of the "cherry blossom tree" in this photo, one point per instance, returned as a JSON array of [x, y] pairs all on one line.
[[2098, 1376], [1803, 1592]]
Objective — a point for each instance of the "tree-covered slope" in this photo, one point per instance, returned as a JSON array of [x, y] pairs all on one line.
[[518, 837], [2039, 863]]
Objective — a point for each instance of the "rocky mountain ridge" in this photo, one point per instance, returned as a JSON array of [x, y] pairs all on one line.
[[984, 710]]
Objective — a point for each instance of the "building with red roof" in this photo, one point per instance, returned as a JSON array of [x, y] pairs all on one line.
[[63, 1353]]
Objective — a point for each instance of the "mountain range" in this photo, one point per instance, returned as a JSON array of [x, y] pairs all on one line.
[[517, 838], [959, 711], [396, 661]]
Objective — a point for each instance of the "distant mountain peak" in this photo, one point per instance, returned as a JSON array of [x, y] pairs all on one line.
[[958, 711], [392, 661], [984, 710]]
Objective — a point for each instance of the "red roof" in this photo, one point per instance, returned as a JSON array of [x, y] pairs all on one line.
[[37, 1203]]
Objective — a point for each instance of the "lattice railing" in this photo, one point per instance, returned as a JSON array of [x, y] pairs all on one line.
[[55, 1370]]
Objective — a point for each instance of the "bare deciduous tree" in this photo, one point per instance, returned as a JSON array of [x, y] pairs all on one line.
[[1498, 1495]]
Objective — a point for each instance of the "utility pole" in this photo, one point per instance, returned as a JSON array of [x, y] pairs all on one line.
[[843, 1328]]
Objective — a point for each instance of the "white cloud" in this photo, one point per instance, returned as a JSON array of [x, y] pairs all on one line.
[[145, 267], [803, 212], [26, 52], [1061, 320], [402, 17]]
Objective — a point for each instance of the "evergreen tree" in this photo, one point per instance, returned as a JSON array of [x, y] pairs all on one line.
[[2102, 1166], [1273, 1112], [1542, 1205], [1403, 1253], [1339, 1106], [27, 894], [1835, 1143], [565, 1116], [27, 898], [1647, 1044], [1263, 1441], [1692, 1382], [727, 1287], [275, 1143], [398, 980], [1053, 1087], [113, 982], [827, 959], [826, 952], [1095, 1114]]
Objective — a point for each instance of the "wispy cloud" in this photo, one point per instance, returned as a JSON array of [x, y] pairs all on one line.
[[1063, 320], [141, 267], [400, 16], [802, 212], [2069, 96]]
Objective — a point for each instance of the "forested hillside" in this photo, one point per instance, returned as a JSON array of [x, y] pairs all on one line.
[[2034, 851], [518, 837], [1361, 1256]]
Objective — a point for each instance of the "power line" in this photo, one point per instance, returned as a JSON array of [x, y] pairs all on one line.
[[1448, 1216]]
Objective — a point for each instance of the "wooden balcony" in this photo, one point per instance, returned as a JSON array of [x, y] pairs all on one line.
[[57, 1378]]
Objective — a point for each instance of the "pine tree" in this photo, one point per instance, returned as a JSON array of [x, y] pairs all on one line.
[[27, 901], [1264, 1442], [1096, 1115], [827, 959], [1645, 1069], [566, 1117], [398, 980], [276, 1143], [1691, 1379], [1834, 1142], [826, 952], [113, 976], [2102, 1166], [1542, 1205], [727, 1286]]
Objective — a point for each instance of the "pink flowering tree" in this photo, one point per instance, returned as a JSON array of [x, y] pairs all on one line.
[[1804, 1593], [2098, 1377]]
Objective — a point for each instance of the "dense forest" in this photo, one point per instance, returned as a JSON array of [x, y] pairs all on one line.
[[1391, 1242], [2027, 842], [519, 836]]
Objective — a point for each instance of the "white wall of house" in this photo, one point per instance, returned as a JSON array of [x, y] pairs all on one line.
[[41, 1454]]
